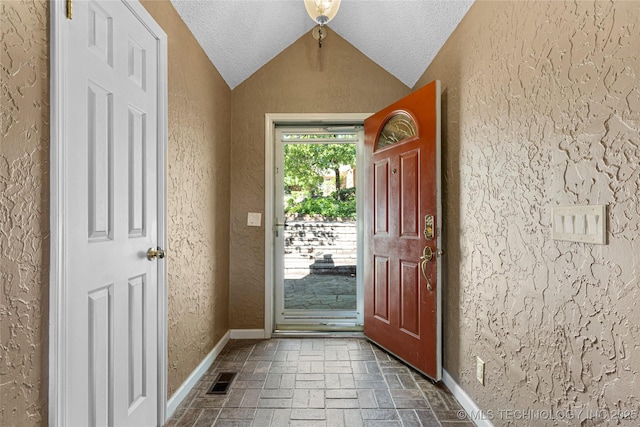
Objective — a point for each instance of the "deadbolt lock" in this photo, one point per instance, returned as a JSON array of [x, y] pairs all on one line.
[[428, 227]]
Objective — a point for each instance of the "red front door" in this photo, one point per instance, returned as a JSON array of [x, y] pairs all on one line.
[[402, 227]]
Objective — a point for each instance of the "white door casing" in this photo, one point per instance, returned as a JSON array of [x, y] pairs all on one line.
[[271, 120], [108, 302]]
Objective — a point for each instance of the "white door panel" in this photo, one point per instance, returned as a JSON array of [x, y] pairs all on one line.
[[110, 374]]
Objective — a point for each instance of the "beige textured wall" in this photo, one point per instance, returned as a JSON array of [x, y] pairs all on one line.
[[198, 205], [542, 108], [302, 79], [198, 198], [24, 211]]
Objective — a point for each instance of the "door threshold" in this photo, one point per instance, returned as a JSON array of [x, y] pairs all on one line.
[[326, 326], [281, 333]]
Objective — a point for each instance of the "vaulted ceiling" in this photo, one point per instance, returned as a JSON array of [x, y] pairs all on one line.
[[402, 36]]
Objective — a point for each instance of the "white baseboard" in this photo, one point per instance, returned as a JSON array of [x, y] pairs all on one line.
[[194, 377], [247, 334], [474, 413]]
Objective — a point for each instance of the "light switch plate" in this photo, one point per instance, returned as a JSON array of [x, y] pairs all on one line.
[[586, 224], [254, 219]]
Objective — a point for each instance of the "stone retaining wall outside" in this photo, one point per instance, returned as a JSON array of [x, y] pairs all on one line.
[[320, 247]]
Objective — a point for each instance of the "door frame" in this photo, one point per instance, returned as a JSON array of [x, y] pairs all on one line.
[[293, 119], [58, 152]]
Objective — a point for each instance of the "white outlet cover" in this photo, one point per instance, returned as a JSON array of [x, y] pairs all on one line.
[[480, 370]]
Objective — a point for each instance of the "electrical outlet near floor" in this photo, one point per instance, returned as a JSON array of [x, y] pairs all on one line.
[[480, 370]]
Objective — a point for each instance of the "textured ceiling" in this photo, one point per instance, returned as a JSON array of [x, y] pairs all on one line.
[[402, 36]]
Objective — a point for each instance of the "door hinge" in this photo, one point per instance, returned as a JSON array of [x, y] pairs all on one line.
[[69, 9]]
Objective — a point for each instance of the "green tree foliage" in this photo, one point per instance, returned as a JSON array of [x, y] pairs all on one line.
[[344, 207], [305, 166]]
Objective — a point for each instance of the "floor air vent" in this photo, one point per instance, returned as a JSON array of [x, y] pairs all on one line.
[[222, 383]]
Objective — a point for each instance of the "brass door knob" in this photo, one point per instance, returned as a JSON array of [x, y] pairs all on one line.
[[155, 253]]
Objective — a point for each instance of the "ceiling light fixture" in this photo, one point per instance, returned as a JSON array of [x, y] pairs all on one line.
[[321, 11]]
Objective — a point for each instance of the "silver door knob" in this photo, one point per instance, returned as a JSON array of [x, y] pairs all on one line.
[[155, 253]]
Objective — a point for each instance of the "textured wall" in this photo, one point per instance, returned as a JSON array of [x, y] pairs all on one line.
[[198, 206], [24, 211], [302, 79], [542, 108], [198, 199]]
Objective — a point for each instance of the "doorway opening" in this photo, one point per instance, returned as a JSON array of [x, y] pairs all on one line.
[[314, 241], [316, 228]]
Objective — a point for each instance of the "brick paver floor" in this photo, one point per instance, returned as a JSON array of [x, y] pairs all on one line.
[[316, 382]]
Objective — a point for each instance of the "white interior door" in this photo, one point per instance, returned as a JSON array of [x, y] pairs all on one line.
[[110, 137]]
